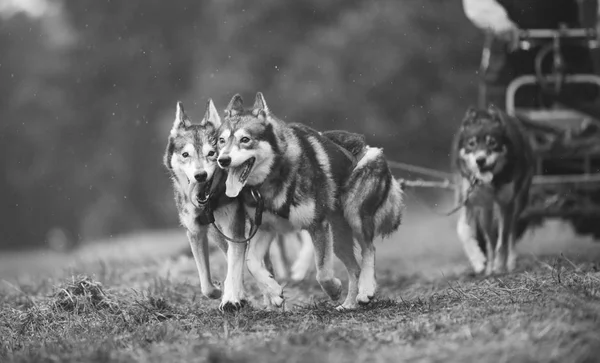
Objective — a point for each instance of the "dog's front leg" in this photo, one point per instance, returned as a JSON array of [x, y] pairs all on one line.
[[305, 259], [199, 244], [511, 258], [232, 222], [233, 296], [504, 232], [257, 249], [467, 233], [323, 242]]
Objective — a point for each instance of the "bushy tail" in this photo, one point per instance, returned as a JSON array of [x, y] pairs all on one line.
[[372, 199]]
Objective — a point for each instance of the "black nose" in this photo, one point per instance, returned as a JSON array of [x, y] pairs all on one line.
[[200, 177], [224, 161], [480, 161]]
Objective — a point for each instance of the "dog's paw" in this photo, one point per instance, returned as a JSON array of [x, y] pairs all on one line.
[[346, 307], [333, 288], [274, 301], [232, 306], [489, 270], [212, 293], [511, 263], [366, 291], [364, 299], [479, 268], [297, 276]]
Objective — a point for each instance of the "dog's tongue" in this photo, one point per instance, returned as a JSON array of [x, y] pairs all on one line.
[[486, 177], [233, 184], [192, 189]]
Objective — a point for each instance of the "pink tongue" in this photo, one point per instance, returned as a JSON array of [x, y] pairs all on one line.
[[233, 184]]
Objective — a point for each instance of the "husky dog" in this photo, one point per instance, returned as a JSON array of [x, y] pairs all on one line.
[[191, 161], [493, 165], [190, 158], [307, 181]]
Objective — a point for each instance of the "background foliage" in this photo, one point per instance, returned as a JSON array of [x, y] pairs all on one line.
[[89, 89]]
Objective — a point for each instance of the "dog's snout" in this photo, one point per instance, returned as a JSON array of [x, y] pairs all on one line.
[[480, 161], [201, 176], [224, 161]]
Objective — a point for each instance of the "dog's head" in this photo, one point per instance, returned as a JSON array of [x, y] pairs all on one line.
[[247, 144], [191, 150], [483, 145]]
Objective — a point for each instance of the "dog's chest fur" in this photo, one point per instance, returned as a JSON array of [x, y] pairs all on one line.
[[486, 194]]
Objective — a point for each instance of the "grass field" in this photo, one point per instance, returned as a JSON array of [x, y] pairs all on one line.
[[131, 300]]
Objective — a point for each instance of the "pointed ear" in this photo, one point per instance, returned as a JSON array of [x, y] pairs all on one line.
[[469, 115], [181, 119], [211, 115], [471, 112], [495, 112], [235, 106], [260, 103]]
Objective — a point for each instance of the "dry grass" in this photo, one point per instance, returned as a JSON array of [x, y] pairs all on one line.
[[150, 310]]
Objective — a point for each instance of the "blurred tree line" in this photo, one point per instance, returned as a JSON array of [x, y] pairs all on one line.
[[89, 92]]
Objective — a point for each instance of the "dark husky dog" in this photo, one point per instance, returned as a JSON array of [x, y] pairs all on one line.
[[337, 191], [493, 165]]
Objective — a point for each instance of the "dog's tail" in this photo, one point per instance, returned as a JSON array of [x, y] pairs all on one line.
[[371, 199]]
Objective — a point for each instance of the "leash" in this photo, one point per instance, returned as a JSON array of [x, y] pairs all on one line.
[[440, 185], [207, 216], [420, 183], [254, 225]]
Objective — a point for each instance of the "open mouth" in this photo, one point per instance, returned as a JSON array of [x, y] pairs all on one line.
[[201, 191], [237, 177], [486, 168]]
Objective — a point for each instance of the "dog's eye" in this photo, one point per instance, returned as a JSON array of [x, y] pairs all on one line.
[[185, 154], [471, 143], [244, 140], [492, 142], [221, 140], [211, 153]]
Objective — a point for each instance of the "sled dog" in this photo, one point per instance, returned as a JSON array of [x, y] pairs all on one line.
[[337, 191], [198, 184], [493, 167]]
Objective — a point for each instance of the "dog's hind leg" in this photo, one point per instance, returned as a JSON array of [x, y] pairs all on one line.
[[367, 283], [278, 258], [467, 233], [199, 245], [511, 258], [305, 260], [323, 242], [344, 250], [257, 249]]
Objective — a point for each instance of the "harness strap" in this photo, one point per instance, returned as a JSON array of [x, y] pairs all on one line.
[[254, 224], [208, 217], [473, 183]]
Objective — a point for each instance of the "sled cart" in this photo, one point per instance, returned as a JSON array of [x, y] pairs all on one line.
[[564, 132]]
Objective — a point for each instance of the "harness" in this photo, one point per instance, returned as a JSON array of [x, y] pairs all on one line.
[[205, 208]]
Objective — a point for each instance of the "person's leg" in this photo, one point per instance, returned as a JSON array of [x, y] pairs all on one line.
[[495, 74]]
